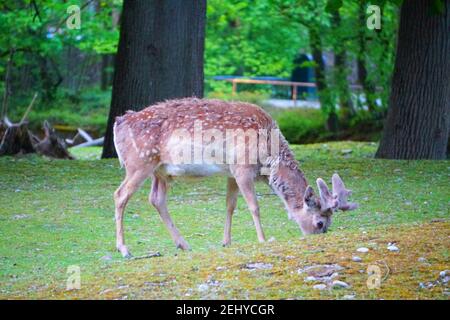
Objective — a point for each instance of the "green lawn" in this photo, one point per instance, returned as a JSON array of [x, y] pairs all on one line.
[[55, 214]]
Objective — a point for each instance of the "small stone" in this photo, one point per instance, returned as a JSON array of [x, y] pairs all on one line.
[[349, 297], [105, 291], [320, 270], [203, 287], [106, 258], [392, 248], [320, 286], [310, 278], [363, 249], [446, 279], [272, 239], [20, 216], [334, 275], [259, 266], [135, 216], [356, 259], [422, 259], [426, 285], [340, 284], [444, 273], [123, 287]]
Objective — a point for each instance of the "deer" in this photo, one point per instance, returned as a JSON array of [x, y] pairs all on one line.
[[150, 143]]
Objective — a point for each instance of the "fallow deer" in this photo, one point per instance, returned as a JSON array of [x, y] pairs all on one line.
[[147, 143]]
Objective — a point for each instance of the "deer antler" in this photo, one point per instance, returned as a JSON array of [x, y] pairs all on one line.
[[327, 200], [341, 194]]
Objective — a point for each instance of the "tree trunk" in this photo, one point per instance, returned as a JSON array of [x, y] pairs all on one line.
[[418, 120], [341, 74], [319, 65], [16, 140], [368, 88], [160, 56], [320, 79]]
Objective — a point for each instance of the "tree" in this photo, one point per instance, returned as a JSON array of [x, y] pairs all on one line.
[[341, 70], [418, 120], [160, 56]]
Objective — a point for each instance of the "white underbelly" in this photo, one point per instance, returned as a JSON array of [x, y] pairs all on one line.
[[194, 170]]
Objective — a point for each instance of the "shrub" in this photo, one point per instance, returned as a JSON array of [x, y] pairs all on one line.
[[88, 110], [301, 125], [256, 97]]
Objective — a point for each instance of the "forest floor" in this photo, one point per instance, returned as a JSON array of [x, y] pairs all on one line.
[[57, 216]]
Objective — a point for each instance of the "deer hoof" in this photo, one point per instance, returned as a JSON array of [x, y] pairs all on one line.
[[183, 246], [226, 244], [124, 251]]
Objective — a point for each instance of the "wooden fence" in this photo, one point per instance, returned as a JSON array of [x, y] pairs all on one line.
[[292, 84]]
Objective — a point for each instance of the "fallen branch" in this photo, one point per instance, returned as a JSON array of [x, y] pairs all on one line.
[[146, 256], [7, 122], [95, 142], [25, 116], [85, 135], [72, 141]]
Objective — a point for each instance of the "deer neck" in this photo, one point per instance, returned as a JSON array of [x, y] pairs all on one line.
[[288, 182]]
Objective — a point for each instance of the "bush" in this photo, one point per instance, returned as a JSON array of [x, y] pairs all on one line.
[[255, 97], [88, 110], [301, 125]]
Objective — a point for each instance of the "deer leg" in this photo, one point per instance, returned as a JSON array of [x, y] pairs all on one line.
[[232, 193], [158, 198], [121, 196], [247, 187]]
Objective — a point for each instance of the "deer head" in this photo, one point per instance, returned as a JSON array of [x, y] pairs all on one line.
[[317, 211]]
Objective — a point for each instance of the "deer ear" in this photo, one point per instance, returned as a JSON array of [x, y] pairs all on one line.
[[309, 197]]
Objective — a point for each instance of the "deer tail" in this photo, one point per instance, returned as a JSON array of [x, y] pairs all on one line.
[[116, 123]]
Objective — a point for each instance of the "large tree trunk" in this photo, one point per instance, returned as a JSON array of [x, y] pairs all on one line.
[[368, 88], [341, 74], [160, 56], [418, 120], [320, 79]]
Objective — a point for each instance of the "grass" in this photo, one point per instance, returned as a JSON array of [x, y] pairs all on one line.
[[56, 214]]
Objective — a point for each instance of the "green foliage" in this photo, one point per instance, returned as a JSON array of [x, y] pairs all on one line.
[[248, 38], [44, 45], [255, 97], [88, 110], [47, 32], [242, 38], [301, 125], [333, 5]]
